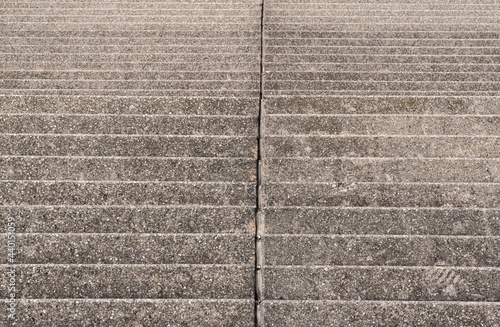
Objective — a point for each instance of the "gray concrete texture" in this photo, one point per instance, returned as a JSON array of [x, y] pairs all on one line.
[[380, 163], [129, 161], [140, 138]]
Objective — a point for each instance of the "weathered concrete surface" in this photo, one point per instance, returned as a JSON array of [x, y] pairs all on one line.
[[128, 161], [380, 163], [134, 312]]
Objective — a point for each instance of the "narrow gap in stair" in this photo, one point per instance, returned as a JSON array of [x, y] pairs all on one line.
[[259, 226]]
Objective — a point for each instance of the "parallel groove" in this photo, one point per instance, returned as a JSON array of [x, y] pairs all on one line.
[[374, 180], [130, 133]]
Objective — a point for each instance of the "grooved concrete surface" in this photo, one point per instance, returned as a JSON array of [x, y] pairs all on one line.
[[128, 160], [129, 133], [381, 163]]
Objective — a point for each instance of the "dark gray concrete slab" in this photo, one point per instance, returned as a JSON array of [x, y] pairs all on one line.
[[129, 105], [383, 105], [475, 195], [382, 283], [131, 219], [383, 146], [367, 250], [389, 125], [355, 170], [128, 169], [133, 281], [126, 193], [380, 313], [134, 312], [383, 221], [128, 145], [134, 249], [131, 124]]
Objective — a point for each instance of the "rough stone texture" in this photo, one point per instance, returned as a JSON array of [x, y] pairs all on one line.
[[130, 124], [16, 193], [380, 163], [382, 283], [119, 145], [128, 169], [383, 221], [134, 249], [128, 161], [133, 312], [122, 281], [402, 170], [130, 219], [380, 313], [129, 147]]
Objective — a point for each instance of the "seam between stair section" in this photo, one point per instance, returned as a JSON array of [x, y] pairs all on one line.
[[259, 217]]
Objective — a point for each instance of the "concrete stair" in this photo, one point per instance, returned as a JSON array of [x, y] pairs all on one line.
[[380, 163], [140, 138], [130, 147]]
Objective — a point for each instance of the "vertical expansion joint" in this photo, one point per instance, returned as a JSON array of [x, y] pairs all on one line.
[[259, 216]]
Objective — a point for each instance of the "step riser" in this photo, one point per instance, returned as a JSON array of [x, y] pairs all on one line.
[[382, 221]]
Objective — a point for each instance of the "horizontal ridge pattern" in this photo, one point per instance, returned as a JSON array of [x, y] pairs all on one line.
[[380, 163], [128, 161]]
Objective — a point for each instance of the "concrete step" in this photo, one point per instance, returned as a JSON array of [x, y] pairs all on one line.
[[357, 10], [380, 68], [364, 92], [131, 93], [160, 312], [382, 124], [383, 105], [325, 87], [134, 85], [412, 170], [128, 26], [138, 249], [358, 27], [382, 283], [486, 33], [174, 9], [127, 145], [130, 219], [136, 75], [382, 221], [126, 193], [132, 42], [382, 146], [127, 169], [347, 58], [163, 32], [380, 50], [133, 57], [137, 66], [129, 105], [131, 49], [82, 20], [318, 43], [128, 124], [131, 5], [132, 281], [386, 5], [333, 250], [313, 21], [88, 3], [327, 77], [474, 195], [379, 313]]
